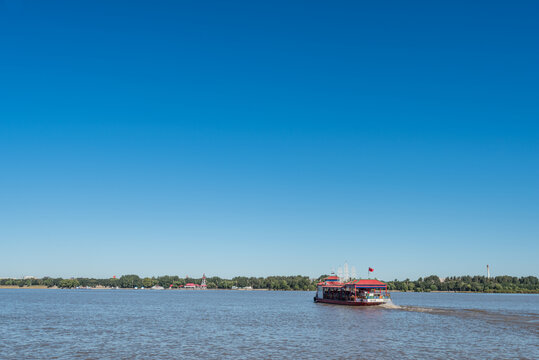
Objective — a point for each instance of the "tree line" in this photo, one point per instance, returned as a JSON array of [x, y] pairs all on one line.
[[297, 282], [498, 284]]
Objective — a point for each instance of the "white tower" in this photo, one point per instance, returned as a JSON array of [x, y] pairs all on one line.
[[203, 284], [488, 272], [339, 273], [346, 273]]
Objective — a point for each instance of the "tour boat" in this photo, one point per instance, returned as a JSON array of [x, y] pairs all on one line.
[[354, 293]]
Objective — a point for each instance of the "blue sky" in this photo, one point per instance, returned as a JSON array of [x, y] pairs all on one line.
[[248, 138]]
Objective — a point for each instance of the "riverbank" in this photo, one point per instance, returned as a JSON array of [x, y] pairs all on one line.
[[390, 291], [433, 283], [27, 287]]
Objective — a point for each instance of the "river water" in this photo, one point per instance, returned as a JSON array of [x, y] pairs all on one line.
[[214, 324]]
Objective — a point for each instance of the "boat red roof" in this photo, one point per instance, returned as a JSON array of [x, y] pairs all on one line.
[[333, 281], [367, 283]]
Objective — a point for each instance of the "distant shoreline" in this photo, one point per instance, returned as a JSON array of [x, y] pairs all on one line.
[[504, 284], [33, 287], [26, 287]]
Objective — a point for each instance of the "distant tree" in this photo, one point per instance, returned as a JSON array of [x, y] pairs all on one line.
[[130, 281], [147, 282], [69, 283]]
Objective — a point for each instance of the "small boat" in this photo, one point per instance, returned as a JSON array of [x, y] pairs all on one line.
[[364, 292]]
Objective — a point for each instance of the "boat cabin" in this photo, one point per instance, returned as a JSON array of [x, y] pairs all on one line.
[[356, 292]]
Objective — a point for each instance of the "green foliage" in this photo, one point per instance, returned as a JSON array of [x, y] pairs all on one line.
[[167, 280], [130, 281], [499, 284], [69, 283], [149, 282]]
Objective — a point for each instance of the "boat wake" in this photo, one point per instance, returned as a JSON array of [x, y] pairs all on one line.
[[390, 305], [530, 320]]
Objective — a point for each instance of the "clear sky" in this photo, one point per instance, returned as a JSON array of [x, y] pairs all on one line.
[[269, 138]]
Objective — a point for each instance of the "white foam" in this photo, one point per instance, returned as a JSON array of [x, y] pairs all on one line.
[[390, 305]]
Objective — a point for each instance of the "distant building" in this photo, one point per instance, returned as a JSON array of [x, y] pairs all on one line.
[[192, 286]]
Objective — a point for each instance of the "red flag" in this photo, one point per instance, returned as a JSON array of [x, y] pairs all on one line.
[[371, 269]]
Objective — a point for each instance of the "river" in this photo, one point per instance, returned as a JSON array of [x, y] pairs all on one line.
[[217, 324]]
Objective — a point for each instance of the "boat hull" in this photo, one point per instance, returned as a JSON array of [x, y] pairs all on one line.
[[349, 303]]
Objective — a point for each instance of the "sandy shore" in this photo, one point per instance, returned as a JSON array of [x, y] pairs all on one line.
[[25, 287]]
